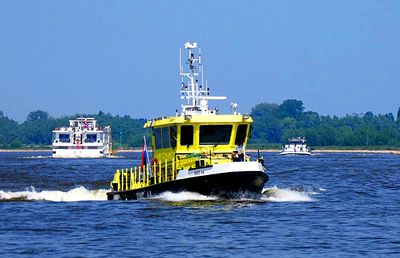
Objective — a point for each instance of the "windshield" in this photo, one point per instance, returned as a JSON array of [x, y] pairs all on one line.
[[241, 135], [186, 135], [215, 134]]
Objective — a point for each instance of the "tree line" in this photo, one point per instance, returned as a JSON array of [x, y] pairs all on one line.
[[36, 130], [273, 124], [277, 123]]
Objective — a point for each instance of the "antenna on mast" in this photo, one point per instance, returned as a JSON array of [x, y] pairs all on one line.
[[196, 95]]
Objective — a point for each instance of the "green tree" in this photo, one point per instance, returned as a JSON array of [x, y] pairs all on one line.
[[37, 115], [267, 127], [345, 136], [9, 130], [308, 119], [398, 115], [390, 116], [291, 108], [289, 123]]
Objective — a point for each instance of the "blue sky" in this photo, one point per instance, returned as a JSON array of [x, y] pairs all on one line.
[[122, 57]]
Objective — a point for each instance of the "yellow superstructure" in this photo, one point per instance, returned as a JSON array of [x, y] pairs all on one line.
[[199, 140]]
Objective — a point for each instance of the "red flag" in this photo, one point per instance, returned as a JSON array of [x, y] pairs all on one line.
[[144, 154]]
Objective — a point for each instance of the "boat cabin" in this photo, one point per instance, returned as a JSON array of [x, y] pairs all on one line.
[[195, 141]]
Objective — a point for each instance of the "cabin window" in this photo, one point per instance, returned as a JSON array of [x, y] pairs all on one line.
[[215, 134], [91, 138], [241, 135], [172, 136], [186, 135], [157, 138], [165, 137], [63, 137]]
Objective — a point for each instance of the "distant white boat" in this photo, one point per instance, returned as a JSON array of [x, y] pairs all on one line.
[[82, 139], [296, 146]]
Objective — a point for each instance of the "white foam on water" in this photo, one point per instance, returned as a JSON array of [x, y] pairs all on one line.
[[115, 157], [184, 196], [275, 194], [74, 195], [37, 157], [77, 194]]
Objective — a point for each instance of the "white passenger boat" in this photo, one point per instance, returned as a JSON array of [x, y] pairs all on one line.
[[296, 146], [82, 139]]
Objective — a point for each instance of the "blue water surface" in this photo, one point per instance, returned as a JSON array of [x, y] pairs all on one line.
[[330, 204]]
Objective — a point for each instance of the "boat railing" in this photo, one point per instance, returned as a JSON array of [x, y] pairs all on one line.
[[164, 171], [201, 160], [143, 176]]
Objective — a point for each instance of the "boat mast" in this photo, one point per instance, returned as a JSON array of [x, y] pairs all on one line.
[[196, 94]]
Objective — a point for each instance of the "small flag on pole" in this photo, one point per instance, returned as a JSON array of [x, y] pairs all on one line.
[[145, 156]]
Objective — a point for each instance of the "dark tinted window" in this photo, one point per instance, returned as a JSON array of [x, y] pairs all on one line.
[[165, 137], [186, 135], [241, 134], [215, 134], [64, 137], [91, 138], [172, 136], [157, 138]]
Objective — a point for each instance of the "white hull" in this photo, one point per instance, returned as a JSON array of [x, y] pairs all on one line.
[[295, 153], [221, 169], [80, 153]]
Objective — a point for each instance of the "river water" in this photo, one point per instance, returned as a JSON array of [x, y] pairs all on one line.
[[330, 204]]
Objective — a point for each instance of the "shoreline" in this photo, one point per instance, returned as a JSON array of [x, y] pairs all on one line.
[[24, 150], [396, 152]]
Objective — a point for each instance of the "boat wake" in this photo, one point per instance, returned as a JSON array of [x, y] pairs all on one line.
[[276, 194], [74, 195], [77, 194], [273, 194], [36, 157], [183, 196]]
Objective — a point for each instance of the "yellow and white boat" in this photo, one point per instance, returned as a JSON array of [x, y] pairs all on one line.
[[198, 150]]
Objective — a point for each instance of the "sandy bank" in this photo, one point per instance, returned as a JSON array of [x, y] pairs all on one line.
[[25, 150], [397, 152]]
